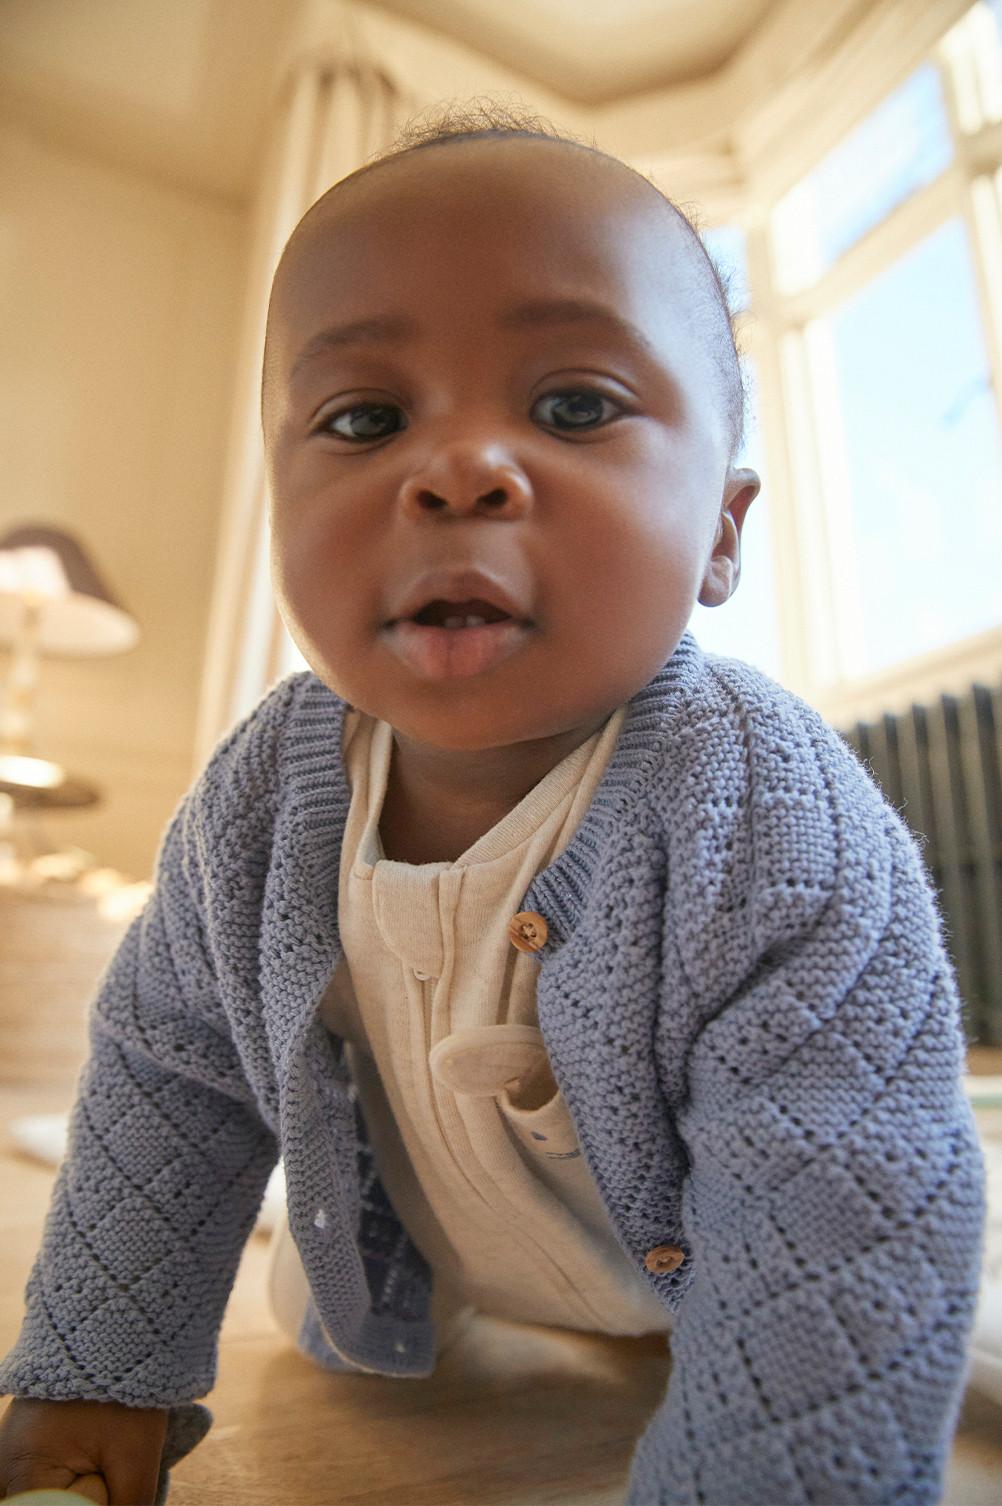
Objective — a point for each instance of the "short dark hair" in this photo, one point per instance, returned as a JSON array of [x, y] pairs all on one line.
[[490, 119]]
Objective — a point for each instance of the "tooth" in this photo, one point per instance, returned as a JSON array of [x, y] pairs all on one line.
[[475, 621], [454, 622]]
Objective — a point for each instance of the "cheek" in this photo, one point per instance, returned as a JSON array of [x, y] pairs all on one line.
[[309, 565], [629, 554], [631, 584], [299, 559]]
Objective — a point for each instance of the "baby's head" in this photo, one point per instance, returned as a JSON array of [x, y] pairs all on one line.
[[495, 349]]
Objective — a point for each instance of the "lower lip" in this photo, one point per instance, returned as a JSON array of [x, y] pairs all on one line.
[[438, 653]]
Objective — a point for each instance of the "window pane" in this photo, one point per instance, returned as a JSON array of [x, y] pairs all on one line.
[[904, 144], [990, 63], [923, 460], [745, 627], [726, 245]]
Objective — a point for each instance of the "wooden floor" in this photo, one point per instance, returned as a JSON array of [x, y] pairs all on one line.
[[513, 1416]]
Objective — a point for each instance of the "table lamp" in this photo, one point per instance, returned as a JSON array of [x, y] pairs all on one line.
[[52, 602]]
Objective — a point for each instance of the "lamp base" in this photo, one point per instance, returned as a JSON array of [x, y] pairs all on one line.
[[29, 862]]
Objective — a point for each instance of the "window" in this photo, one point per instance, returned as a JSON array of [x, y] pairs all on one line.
[[901, 146], [882, 274], [903, 386]]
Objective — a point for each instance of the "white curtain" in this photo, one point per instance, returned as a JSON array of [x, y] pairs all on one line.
[[329, 118]]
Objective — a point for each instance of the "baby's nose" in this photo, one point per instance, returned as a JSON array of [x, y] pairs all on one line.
[[464, 477]]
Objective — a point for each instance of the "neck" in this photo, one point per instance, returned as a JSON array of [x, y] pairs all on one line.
[[439, 801]]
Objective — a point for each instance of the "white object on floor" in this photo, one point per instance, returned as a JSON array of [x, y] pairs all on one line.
[[41, 1135], [985, 1348], [273, 1205], [985, 1091]]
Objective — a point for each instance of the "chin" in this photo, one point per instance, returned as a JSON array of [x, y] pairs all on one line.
[[456, 732]]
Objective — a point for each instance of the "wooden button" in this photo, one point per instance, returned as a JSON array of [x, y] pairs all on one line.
[[664, 1258], [528, 931]]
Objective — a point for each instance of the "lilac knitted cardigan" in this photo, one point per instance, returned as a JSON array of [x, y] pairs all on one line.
[[748, 1005]]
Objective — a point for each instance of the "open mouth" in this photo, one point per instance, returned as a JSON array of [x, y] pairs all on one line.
[[459, 614], [450, 640]]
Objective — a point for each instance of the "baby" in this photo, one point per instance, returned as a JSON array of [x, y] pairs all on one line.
[[580, 977]]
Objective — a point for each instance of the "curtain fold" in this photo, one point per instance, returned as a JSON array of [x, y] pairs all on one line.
[[329, 119]]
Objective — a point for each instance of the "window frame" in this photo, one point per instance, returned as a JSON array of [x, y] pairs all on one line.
[[809, 529]]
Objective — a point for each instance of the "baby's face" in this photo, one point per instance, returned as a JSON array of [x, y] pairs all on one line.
[[519, 385]]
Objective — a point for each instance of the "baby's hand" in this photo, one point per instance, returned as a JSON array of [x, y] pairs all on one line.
[[101, 1449]]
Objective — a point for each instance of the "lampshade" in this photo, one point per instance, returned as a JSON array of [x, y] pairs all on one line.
[[79, 617]]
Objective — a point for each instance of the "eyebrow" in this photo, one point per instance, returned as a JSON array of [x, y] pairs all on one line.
[[395, 329]]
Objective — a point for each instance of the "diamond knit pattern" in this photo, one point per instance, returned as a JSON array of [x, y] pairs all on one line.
[[748, 1004]]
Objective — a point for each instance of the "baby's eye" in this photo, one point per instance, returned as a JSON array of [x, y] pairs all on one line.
[[574, 410], [365, 421]]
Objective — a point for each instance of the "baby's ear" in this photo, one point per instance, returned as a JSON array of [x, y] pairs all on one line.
[[723, 570]]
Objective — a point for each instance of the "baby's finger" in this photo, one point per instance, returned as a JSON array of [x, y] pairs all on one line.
[[92, 1488], [29, 1477], [132, 1469]]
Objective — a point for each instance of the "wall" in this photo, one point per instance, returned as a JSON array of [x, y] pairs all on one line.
[[119, 306]]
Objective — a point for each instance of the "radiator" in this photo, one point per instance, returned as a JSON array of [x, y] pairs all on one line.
[[940, 766]]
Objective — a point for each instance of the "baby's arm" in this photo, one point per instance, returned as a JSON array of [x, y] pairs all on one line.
[[835, 1210], [164, 1174]]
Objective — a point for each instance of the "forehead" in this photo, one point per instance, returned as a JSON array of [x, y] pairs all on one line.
[[454, 230]]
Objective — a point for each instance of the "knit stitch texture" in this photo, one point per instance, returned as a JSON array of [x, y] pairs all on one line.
[[748, 1005]]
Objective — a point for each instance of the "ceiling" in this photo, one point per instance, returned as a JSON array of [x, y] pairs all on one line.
[[593, 51], [181, 87]]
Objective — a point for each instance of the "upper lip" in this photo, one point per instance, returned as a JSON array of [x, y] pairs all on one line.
[[457, 585]]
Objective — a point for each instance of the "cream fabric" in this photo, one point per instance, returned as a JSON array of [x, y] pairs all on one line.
[[474, 1142]]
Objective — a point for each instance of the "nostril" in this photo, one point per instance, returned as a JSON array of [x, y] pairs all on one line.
[[495, 498]]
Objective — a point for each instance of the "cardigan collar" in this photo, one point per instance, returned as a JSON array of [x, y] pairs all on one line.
[[314, 796]]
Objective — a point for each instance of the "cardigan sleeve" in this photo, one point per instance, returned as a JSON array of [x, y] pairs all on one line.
[[167, 1163], [834, 1206]]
